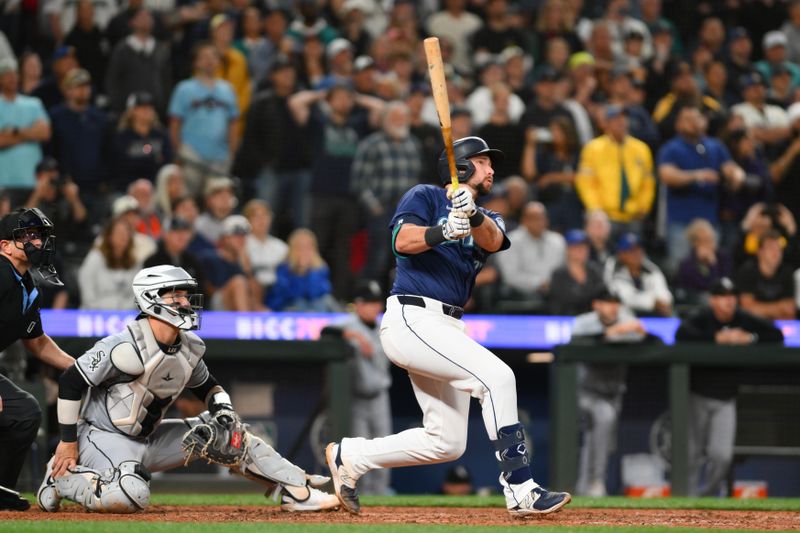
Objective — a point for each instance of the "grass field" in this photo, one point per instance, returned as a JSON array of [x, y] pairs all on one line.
[[340, 522], [728, 504]]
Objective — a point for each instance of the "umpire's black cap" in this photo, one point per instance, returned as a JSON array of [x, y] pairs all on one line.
[[368, 291]]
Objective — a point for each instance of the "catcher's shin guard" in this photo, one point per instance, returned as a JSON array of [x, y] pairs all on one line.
[[120, 490], [264, 465]]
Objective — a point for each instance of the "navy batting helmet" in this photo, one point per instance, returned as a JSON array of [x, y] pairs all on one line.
[[463, 149]]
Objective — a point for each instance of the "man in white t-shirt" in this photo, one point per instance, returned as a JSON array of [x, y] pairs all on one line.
[[769, 123]]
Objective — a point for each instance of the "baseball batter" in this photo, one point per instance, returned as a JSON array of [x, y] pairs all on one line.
[[110, 445], [440, 249]]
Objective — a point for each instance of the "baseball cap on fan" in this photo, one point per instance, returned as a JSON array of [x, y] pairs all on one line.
[[235, 225], [7, 64], [774, 38], [216, 184], [76, 77], [363, 63], [124, 204], [724, 287], [628, 241], [336, 46], [218, 20], [576, 236], [141, 98], [177, 224]]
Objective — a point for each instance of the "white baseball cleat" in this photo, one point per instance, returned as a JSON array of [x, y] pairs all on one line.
[[316, 500], [540, 501], [343, 482]]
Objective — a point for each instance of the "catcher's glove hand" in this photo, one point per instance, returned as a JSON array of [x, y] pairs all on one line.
[[223, 440]]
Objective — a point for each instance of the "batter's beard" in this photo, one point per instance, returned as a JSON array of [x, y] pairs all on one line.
[[483, 189]]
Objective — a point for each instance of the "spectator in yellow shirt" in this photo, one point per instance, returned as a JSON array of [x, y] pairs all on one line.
[[615, 175], [233, 64]]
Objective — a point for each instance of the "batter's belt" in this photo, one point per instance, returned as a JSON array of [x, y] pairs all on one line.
[[449, 310]]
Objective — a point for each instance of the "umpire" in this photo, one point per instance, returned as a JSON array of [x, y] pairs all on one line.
[[26, 243]]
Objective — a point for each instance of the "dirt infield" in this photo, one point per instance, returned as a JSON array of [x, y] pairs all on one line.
[[755, 520]]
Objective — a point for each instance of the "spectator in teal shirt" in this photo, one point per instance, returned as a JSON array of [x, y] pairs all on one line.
[[23, 126], [204, 120]]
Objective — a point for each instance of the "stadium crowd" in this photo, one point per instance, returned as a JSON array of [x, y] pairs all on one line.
[[262, 145]]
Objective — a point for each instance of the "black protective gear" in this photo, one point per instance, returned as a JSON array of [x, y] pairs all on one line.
[[14, 227], [463, 149]]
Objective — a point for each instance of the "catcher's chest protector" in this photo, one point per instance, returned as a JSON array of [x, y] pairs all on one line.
[[135, 407]]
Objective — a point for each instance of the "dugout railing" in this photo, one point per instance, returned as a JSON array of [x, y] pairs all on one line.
[[678, 360]]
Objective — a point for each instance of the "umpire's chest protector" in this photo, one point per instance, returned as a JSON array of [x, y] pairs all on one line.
[[136, 406]]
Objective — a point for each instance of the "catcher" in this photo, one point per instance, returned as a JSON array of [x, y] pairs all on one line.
[[110, 445]]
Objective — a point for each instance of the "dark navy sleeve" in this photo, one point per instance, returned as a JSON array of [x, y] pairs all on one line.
[[498, 219], [417, 207]]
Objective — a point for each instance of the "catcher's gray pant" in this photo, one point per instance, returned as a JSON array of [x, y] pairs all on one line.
[[599, 438], [372, 418], [712, 432], [100, 449]]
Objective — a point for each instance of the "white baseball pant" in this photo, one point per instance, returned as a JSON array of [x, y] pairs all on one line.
[[446, 368]]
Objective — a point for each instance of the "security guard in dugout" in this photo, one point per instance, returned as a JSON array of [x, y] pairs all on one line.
[[26, 243]]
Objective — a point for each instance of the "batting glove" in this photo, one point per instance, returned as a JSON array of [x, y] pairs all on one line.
[[463, 201], [457, 226]]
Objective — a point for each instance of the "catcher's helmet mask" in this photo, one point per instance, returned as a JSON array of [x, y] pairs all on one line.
[[25, 225], [151, 288], [463, 149]]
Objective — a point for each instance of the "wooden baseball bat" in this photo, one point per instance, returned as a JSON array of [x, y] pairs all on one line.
[[439, 90]]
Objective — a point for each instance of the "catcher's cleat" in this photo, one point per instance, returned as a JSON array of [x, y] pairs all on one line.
[[47, 496], [343, 483], [540, 501], [10, 500], [316, 500]]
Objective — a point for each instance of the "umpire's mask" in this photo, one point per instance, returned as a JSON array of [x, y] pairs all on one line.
[[24, 226]]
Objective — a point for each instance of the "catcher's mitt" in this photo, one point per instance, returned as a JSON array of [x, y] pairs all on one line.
[[223, 440]]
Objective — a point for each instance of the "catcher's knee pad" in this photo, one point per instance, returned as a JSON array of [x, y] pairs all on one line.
[[120, 490], [263, 464]]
